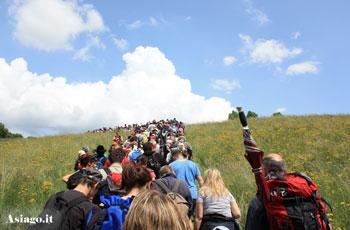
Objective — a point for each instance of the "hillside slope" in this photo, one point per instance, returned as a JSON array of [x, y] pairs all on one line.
[[317, 145]]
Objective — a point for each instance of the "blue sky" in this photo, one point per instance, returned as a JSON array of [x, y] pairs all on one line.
[[288, 56]]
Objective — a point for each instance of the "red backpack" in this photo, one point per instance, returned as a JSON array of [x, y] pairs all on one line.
[[114, 180], [293, 203]]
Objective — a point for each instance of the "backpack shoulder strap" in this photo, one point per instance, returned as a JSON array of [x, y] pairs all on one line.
[[107, 170], [76, 201], [176, 187], [101, 218], [58, 197], [162, 185], [303, 175], [92, 218], [326, 202], [59, 194]]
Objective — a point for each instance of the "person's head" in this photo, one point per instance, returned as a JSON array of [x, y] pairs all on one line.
[[81, 154], [148, 148], [116, 155], [178, 154], [169, 143], [165, 170], [87, 181], [274, 163], [135, 176], [157, 211], [133, 138], [135, 155], [142, 160], [85, 160], [100, 150], [213, 184], [92, 162]]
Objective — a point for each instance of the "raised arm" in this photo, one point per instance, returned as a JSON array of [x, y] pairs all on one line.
[[252, 153]]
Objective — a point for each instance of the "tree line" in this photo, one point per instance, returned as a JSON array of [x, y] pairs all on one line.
[[5, 133], [233, 115]]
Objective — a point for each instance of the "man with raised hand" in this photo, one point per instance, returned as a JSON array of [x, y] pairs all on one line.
[[284, 200]]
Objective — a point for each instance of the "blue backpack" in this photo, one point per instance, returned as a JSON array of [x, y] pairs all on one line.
[[100, 162], [113, 214]]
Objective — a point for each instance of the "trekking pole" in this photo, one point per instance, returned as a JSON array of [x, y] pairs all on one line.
[[242, 118]]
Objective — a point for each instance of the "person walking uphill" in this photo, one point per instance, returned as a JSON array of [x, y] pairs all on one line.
[[187, 171], [72, 209], [168, 184], [152, 210], [216, 206], [284, 200], [136, 179]]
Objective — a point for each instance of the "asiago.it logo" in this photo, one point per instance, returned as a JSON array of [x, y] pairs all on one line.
[[29, 220]]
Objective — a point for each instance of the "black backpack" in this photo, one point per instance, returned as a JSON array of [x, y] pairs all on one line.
[[154, 164], [218, 221], [58, 208]]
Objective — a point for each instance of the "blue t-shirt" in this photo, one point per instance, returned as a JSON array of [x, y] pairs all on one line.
[[187, 170]]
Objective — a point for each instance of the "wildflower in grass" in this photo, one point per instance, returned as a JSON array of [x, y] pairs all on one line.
[[46, 185]]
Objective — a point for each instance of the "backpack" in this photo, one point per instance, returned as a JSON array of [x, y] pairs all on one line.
[[58, 209], [154, 164], [114, 180], [110, 186], [113, 214], [174, 195], [293, 203], [100, 162]]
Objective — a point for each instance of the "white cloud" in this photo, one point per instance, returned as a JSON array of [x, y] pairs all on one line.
[[281, 110], [148, 88], [267, 51], [84, 53], [120, 43], [188, 18], [137, 24], [302, 68], [153, 21], [53, 25], [226, 85], [296, 35], [229, 60], [134, 25], [256, 15]]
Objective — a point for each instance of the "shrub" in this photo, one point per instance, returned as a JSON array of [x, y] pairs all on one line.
[[277, 114], [252, 114], [233, 115]]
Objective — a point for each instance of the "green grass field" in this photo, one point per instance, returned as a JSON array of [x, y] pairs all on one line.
[[317, 145]]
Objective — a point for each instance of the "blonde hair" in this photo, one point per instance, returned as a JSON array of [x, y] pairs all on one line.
[[154, 210], [213, 185]]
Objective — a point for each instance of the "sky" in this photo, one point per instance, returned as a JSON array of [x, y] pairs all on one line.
[[73, 65]]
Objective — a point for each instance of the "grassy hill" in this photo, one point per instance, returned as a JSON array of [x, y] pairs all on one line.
[[30, 169]]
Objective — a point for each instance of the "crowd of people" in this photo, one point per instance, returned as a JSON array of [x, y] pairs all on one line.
[[129, 127], [150, 181]]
